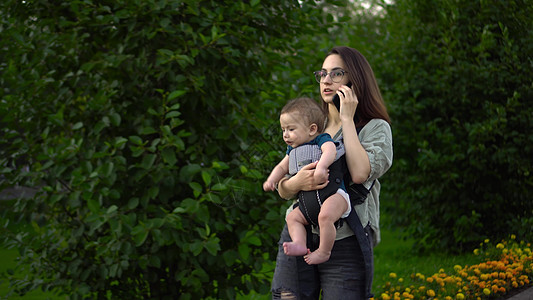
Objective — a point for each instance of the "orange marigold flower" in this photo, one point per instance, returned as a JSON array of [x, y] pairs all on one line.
[[431, 293], [385, 296]]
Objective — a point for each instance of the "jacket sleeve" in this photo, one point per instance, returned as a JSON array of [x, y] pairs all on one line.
[[376, 138]]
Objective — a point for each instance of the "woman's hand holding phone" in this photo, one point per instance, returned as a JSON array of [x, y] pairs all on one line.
[[349, 101]]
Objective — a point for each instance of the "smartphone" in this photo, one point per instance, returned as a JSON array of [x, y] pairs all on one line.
[[337, 100]]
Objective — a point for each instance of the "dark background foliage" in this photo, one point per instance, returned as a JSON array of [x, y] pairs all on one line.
[[136, 122], [147, 127], [459, 85]]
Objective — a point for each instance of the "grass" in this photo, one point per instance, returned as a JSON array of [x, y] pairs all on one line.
[[8, 261], [8, 258], [394, 255]]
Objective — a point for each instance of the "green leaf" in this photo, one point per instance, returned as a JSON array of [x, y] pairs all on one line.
[[136, 140], [244, 251], [77, 126], [169, 156], [206, 177], [219, 187], [172, 114], [148, 161], [230, 257], [115, 119], [120, 141], [107, 169], [196, 248], [212, 246], [187, 172], [196, 187], [175, 94], [148, 130], [112, 209], [254, 240], [132, 203], [140, 234], [93, 205], [153, 192]]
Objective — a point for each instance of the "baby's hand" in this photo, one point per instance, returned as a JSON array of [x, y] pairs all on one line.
[[269, 186], [321, 174]]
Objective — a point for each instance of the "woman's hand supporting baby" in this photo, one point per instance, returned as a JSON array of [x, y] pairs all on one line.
[[304, 180]]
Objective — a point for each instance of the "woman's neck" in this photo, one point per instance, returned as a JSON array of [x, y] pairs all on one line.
[[334, 121]]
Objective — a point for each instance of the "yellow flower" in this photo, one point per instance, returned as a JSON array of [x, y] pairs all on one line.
[[460, 296], [500, 246], [486, 291], [392, 275], [385, 296], [476, 251], [487, 241], [457, 268], [513, 236], [431, 293]]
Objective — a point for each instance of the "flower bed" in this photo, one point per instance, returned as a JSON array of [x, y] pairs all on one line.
[[505, 266]]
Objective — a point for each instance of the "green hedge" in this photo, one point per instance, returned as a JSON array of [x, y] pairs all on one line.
[[458, 78], [146, 128]]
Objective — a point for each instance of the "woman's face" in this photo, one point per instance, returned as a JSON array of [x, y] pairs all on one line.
[[328, 87]]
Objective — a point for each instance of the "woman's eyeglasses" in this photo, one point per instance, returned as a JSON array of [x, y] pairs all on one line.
[[335, 75]]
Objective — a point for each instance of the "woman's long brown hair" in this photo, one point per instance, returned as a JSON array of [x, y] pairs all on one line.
[[364, 84]]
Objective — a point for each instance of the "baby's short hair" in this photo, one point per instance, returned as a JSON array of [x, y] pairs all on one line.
[[309, 110]]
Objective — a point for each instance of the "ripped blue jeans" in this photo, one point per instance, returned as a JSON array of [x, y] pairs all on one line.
[[341, 277]]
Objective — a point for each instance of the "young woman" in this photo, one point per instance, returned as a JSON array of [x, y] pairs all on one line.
[[362, 122]]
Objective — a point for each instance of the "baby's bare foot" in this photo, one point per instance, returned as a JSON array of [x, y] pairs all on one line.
[[317, 257], [293, 249]]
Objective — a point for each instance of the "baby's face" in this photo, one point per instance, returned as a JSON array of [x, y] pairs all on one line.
[[295, 132]]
